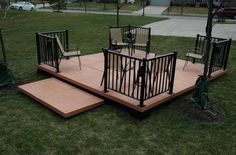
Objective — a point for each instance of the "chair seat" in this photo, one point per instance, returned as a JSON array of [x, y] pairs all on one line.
[[120, 44], [71, 53], [193, 55], [143, 45]]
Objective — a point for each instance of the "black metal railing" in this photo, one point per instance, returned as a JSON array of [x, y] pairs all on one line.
[[220, 48], [129, 35], [219, 56], [137, 78], [62, 35], [47, 48], [200, 44]]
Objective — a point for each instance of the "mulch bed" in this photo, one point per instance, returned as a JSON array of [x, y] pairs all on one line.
[[213, 115]]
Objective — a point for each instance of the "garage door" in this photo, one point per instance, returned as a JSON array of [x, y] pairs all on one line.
[[160, 2]]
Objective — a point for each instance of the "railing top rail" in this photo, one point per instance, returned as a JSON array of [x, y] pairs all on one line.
[[223, 41], [51, 37], [53, 32], [161, 56], [133, 26], [212, 37], [140, 59], [124, 55]]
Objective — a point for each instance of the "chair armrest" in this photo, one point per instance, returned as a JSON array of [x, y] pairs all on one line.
[[196, 50], [73, 47], [113, 41]]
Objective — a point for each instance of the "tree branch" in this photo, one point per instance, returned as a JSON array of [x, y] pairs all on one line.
[[218, 8]]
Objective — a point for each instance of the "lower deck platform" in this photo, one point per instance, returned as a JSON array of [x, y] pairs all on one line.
[[60, 97], [90, 76]]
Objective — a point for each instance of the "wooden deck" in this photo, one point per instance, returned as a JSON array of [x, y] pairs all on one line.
[[90, 76]]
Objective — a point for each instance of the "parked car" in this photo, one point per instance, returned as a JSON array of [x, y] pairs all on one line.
[[227, 12], [22, 6], [130, 1]]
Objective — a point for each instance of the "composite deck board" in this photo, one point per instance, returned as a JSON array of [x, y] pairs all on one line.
[[90, 76], [64, 99]]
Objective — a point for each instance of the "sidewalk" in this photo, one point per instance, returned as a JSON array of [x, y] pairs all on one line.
[[190, 27], [151, 11], [38, 6]]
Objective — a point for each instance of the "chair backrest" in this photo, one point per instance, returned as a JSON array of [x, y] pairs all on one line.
[[116, 35], [59, 44], [141, 36]]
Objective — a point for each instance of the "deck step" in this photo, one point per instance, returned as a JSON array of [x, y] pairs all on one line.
[[62, 98]]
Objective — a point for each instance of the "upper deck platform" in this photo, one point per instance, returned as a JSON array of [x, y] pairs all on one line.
[[90, 76]]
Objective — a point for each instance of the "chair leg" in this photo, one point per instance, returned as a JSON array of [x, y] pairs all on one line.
[[102, 79], [136, 82], [122, 76], [151, 87], [79, 62], [132, 50], [186, 62]]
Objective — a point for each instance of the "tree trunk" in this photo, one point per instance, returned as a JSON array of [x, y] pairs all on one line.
[[208, 36], [3, 48]]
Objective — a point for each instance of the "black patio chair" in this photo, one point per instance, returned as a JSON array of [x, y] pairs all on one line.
[[142, 40], [116, 39], [73, 51], [195, 54]]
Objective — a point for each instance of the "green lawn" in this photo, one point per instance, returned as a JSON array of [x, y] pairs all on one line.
[[26, 127]]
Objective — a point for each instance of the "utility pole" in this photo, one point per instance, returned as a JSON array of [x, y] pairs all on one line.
[[117, 12], [144, 7]]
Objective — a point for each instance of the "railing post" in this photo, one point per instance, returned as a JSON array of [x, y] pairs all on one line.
[[149, 40], [214, 48], [56, 54], [67, 41], [105, 68], [38, 48], [110, 47], [227, 54], [143, 84], [196, 46], [173, 73]]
